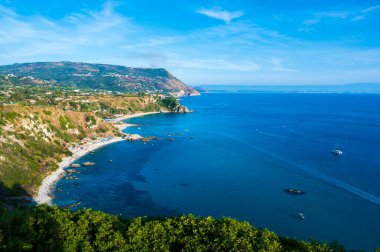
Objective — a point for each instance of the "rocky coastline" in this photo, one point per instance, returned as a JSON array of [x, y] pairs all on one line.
[[44, 194]]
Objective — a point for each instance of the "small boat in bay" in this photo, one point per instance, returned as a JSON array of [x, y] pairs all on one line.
[[294, 191], [337, 151], [301, 216], [75, 165]]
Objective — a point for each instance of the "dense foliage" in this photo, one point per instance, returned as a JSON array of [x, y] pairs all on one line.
[[169, 102], [50, 229]]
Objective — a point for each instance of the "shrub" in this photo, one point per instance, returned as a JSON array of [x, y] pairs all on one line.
[[46, 228]]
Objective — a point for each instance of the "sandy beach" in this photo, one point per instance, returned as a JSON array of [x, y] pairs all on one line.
[[44, 195], [134, 115]]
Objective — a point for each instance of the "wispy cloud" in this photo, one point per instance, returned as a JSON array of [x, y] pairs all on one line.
[[277, 66], [338, 15], [217, 13], [217, 64], [371, 8], [232, 51], [36, 36], [318, 17], [362, 14]]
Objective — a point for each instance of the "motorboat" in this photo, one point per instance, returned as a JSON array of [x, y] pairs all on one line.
[[301, 216], [294, 191], [337, 152]]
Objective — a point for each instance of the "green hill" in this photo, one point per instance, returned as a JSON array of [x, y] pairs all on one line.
[[98, 76]]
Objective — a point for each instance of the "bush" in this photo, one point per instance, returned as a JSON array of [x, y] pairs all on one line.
[[65, 122], [50, 229], [169, 102], [47, 112], [90, 119]]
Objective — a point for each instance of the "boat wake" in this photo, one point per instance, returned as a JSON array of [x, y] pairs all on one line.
[[288, 129], [323, 177], [304, 170], [271, 134]]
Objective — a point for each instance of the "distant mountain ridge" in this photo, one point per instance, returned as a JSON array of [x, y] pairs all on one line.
[[101, 76]]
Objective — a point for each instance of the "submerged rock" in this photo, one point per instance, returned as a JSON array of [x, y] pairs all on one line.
[[88, 163], [148, 139], [72, 205], [71, 177], [72, 171]]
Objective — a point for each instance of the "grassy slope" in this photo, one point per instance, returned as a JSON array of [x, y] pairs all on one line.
[[33, 139]]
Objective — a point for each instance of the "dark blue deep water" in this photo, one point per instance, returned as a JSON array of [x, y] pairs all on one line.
[[235, 155]]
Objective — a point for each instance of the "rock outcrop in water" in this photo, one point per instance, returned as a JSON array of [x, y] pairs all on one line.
[[181, 109], [132, 137]]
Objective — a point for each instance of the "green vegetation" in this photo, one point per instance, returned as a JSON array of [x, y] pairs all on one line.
[[32, 142], [94, 76], [65, 122], [42, 116], [39, 124], [90, 119], [50, 229], [169, 102]]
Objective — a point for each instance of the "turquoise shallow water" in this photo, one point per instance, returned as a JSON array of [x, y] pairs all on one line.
[[235, 156]]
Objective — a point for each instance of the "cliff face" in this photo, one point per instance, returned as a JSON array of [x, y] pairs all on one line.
[[100, 76]]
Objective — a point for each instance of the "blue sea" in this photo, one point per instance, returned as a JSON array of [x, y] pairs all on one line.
[[237, 153]]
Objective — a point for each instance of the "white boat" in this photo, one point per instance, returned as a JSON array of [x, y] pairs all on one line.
[[301, 216], [337, 151]]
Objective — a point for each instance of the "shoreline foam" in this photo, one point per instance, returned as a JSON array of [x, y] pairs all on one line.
[[44, 195]]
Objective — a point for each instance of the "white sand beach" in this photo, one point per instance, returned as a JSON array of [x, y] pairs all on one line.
[[44, 195], [124, 117]]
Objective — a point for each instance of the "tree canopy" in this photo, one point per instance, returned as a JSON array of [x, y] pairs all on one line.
[[46, 228]]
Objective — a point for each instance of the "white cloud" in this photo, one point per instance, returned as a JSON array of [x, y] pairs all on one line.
[[31, 38], [333, 14], [226, 16], [371, 9], [217, 64], [277, 66], [342, 15], [318, 17], [358, 17], [230, 52]]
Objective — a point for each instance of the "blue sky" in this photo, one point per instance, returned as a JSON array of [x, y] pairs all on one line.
[[203, 42]]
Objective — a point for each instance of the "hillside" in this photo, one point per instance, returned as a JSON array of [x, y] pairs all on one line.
[[38, 129], [97, 76], [34, 139]]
